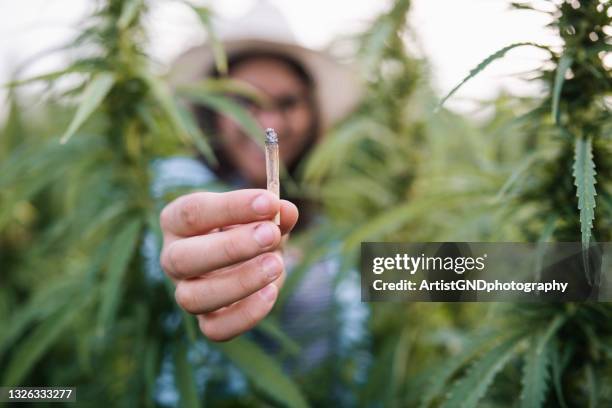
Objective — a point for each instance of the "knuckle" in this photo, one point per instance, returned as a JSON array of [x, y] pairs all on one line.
[[231, 247], [189, 211], [228, 209], [245, 281], [173, 263], [184, 298]]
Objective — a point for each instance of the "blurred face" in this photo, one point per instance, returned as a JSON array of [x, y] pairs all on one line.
[[289, 113]]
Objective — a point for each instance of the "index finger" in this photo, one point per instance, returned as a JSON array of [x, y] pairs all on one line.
[[199, 213], [288, 218]]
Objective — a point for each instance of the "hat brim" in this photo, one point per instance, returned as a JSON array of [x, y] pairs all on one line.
[[337, 89]]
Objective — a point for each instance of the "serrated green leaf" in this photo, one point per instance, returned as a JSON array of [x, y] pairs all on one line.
[[184, 378], [164, 98], [439, 377], [122, 251], [93, 95], [263, 371], [78, 67], [198, 138], [536, 376], [271, 328], [551, 330], [181, 120], [228, 107], [584, 180], [330, 155], [521, 169], [34, 346], [219, 53], [496, 55], [43, 304], [226, 86], [537, 362], [470, 388], [380, 37], [565, 63], [557, 367]]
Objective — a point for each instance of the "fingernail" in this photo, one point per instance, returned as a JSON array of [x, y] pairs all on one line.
[[271, 267], [262, 204], [264, 235], [269, 292]]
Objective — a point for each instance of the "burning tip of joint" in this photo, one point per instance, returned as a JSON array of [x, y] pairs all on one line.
[[271, 136]]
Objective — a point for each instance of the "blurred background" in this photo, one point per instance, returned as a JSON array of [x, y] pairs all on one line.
[[451, 44], [521, 152]]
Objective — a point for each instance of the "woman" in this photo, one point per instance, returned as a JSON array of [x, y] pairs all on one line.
[[222, 249]]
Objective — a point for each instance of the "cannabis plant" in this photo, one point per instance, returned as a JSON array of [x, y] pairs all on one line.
[[393, 170], [565, 181], [549, 181], [78, 214]]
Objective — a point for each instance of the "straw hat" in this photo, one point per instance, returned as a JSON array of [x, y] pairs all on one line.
[[264, 28]]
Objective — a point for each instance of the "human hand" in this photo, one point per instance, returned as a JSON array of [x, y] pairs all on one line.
[[222, 252]]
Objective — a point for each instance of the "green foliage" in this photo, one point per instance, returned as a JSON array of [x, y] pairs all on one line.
[[264, 371], [78, 207], [37, 344], [93, 95], [536, 371], [535, 377], [122, 249], [393, 170], [584, 179], [220, 58], [564, 65], [444, 372], [485, 63], [185, 378], [527, 174], [467, 391], [224, 105]]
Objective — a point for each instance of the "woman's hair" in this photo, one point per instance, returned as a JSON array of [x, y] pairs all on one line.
[[207, 120]]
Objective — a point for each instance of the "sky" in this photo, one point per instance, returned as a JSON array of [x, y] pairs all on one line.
[[453, 35]]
